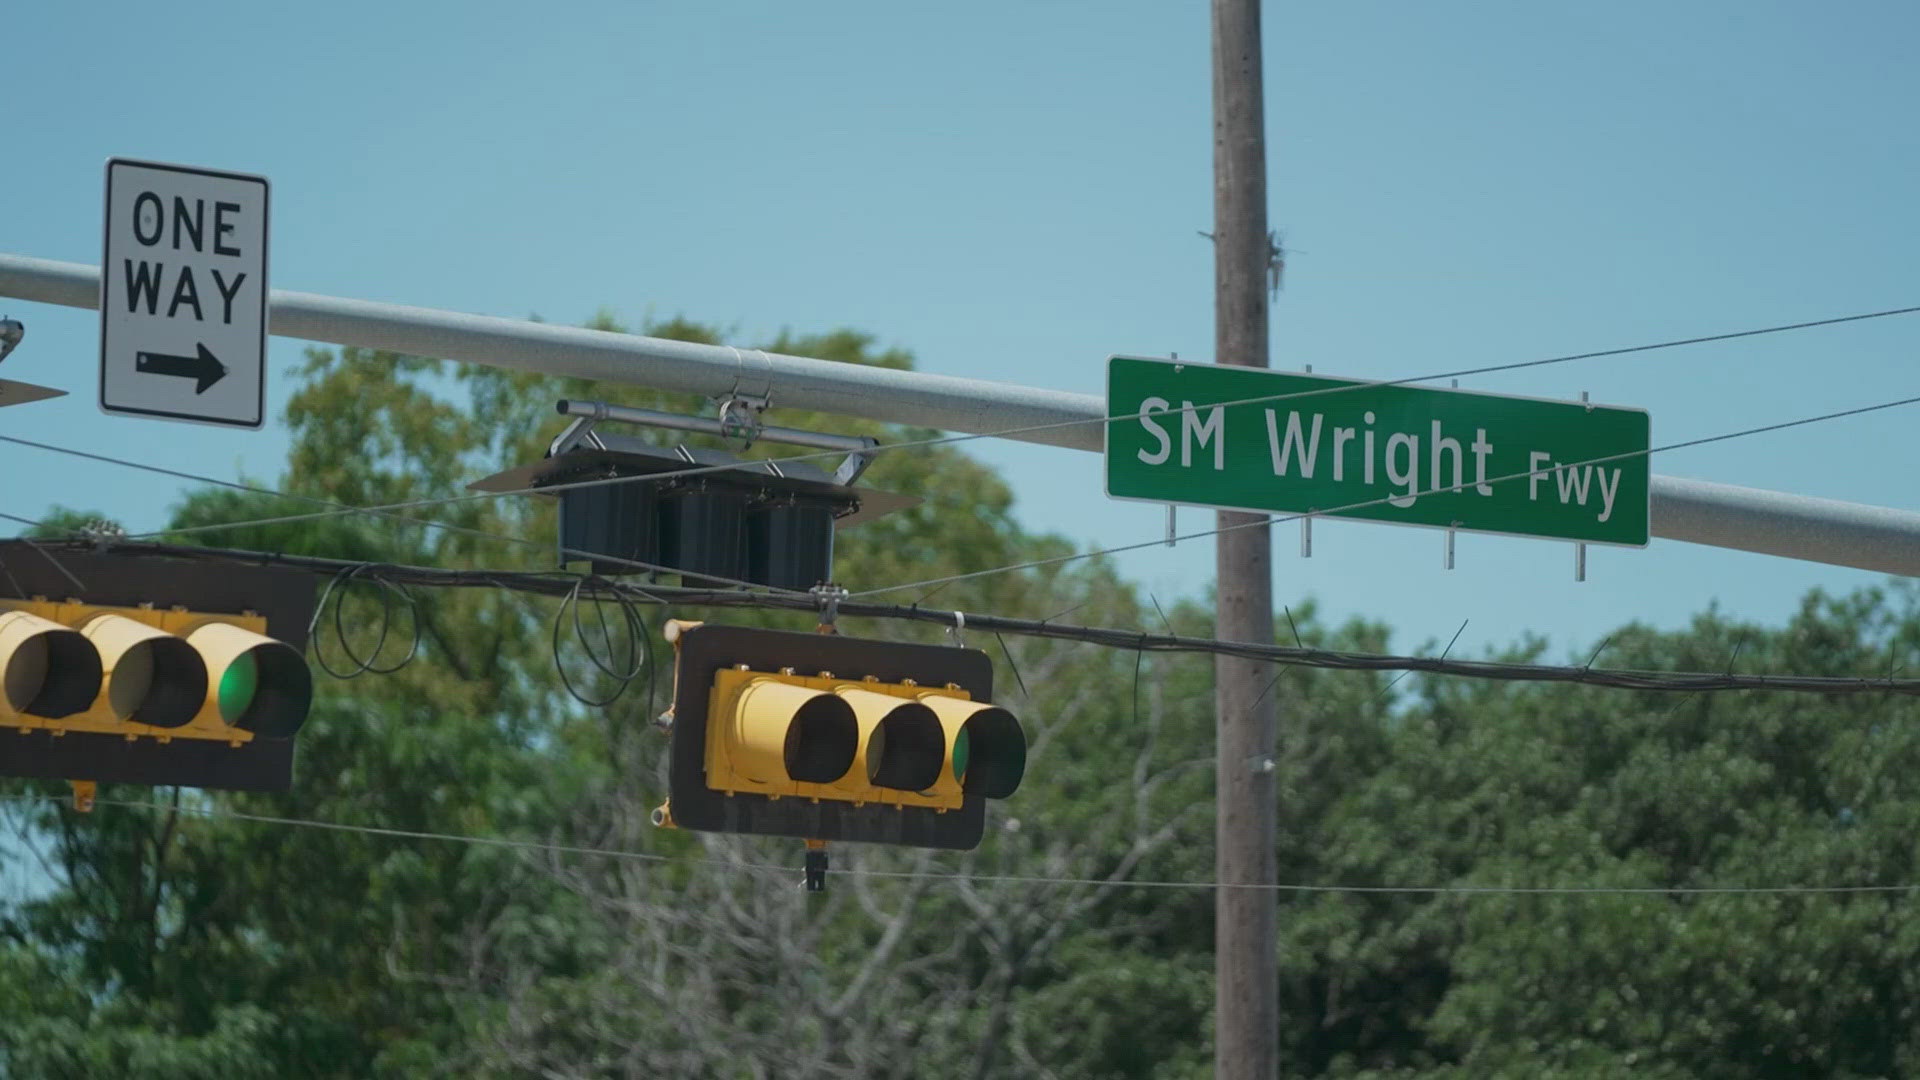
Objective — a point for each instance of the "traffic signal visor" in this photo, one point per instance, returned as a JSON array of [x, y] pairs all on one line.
[[152, 677], [987, 748], [258, 685], [784, 734], [46, 669]]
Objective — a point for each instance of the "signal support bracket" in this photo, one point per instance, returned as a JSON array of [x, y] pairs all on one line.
[[828, 596], [816, 868], [739, 418]]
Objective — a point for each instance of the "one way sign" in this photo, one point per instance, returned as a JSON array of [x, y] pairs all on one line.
[[183, 294]]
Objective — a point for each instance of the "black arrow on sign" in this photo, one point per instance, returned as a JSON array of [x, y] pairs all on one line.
[[205, 369]]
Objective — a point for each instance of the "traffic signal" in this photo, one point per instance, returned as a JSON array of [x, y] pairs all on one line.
[[828, 737], [707, 515], [161, 672]]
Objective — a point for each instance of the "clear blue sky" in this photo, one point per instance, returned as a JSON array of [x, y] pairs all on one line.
[[1012, 191]]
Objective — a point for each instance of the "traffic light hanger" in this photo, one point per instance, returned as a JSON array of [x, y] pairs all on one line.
[[738, 419]]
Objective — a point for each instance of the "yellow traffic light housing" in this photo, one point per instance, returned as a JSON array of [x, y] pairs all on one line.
[[820, 737], [835, 738], [769, 734], [166, 675], [171, 691]]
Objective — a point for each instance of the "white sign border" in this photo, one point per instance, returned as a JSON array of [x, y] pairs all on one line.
[[266, 238]]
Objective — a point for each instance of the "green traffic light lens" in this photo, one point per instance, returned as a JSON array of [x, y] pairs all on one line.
[[259, 684], [961, 751], [238, 684], [1002, 750]]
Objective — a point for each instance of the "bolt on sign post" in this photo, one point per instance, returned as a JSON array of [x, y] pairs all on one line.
[[1409, 455], [151, 671], [827, 737]]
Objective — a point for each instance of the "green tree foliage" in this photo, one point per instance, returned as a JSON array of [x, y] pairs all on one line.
[[1502, 785], [197, 935]]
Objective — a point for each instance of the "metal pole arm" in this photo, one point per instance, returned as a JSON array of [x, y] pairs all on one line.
[[715, 371], [1697, 511]]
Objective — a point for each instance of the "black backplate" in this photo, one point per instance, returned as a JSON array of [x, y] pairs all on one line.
[[260, 765], [283, 596], [707, 649]]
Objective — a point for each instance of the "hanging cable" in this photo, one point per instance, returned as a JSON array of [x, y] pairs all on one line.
[[558, 585], [639, 656], [389, 589]]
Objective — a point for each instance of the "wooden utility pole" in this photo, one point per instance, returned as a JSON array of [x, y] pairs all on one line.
[[1246, 991]]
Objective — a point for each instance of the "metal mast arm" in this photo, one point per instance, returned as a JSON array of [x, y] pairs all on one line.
[[1697, 511]]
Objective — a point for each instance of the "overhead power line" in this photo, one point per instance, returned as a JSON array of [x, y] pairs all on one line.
[[584, 851], [1660, 681], [559, 585], [1460, 374], [389, 510], [930, 582], [338, 509]]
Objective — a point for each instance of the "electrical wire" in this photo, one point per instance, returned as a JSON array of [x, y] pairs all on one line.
[[376, 830], [1686, 682], [251, 489], [558, 585], [338, 509], [417, 504], [36, 546], [1625, 680], [1017, 879]]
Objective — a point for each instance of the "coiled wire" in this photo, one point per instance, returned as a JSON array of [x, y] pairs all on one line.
[[370, 663], [639, 657]]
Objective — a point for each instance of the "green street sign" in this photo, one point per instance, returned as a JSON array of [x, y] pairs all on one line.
[[1251, 439]]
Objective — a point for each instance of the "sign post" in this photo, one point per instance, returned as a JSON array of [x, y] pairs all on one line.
[[183, 294], [1247, 439]]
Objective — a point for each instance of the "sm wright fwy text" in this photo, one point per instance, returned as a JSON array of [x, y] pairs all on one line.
[[1413, 463]]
